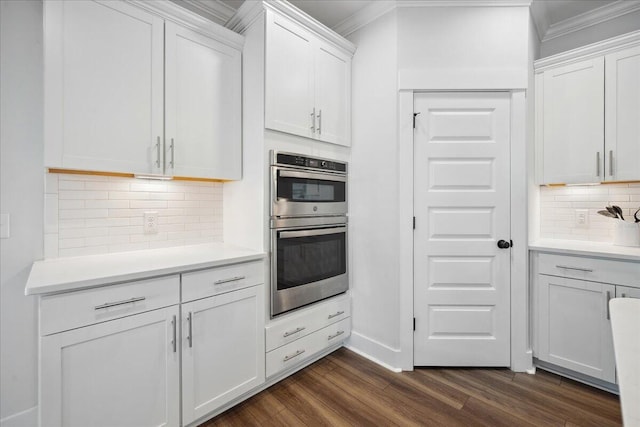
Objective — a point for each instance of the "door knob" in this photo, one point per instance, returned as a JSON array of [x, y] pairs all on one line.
[[503, 244]]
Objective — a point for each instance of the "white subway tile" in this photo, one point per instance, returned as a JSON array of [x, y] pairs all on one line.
[[126, 247], [183, 204], [128, 195], [97, 185], [70, 185], [147, 204], [71, 204], [176, 235], [166, 196], [71, 243], [91, 250], [170, 227], [135, 238], [107, 204], [107, 222], [118, 186], [82, 195], [71, 223], [128, 230], [148, 186], [166, 244]]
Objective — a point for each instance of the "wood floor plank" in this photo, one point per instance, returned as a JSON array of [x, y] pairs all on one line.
[[346, 389]]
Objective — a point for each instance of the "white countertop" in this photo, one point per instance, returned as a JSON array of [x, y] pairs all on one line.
[[625, 325], [576, 247], [65, 274]]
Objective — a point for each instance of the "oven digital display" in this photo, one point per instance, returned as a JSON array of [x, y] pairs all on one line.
[[312, 190]]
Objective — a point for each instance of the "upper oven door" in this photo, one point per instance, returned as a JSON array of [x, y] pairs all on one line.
[[297, 192]]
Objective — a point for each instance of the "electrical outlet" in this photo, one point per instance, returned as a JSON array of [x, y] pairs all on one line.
[[581, 218], [151, 222]]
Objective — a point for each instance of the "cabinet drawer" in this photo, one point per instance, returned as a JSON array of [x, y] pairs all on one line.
[[306, 321], [591, 269], [71, 310], [302, 349], [213, 281]]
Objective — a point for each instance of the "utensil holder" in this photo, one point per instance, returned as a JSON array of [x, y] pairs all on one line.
[[626, 233]]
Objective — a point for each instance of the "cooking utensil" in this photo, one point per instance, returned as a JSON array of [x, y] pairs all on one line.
[[608, 214], [635, 215], [618, 211], [612, 211]]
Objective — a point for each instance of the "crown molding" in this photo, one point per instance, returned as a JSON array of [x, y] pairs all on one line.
[[214, 10], [588, 51], [591, 18], [249, 11], [364, 16], [540, 17], [463, 3], [191, 20]]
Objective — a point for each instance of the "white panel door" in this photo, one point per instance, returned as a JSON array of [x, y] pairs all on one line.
[[573, 123], [222, 350], [574, 326], [333, 95], [123, 372], [622, 115], [103, 86], [461, 206], [289, 81], [202, 106]]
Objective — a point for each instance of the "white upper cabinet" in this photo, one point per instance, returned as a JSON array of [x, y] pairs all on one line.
[[203, 106], [622, 115], [128, 91], [587, 113], [103, 86], [308, 83]]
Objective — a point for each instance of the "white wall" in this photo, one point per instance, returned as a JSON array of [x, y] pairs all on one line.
[[614, 27], [373, 180], [21, 195]]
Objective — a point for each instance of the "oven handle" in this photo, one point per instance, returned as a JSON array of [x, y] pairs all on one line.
[[307, 233], [311, 175]]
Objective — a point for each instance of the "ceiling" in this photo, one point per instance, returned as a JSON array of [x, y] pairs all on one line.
[[550, 16]]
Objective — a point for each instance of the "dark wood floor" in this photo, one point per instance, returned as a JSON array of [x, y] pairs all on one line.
[[345, 389]]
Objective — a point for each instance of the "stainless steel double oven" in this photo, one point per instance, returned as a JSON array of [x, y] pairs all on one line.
[[308, 230]]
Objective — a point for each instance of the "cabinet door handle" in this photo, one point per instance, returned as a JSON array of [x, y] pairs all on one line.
[[295, 331], [174, 342], [320, 122], [158, 153], [588, 270], [313, 120], [623, 295], [172, 148], [233, 279], [607, 299], [597, 163], [291, 356], [337, 334], [116, 303], [610, 162], [331, 316], [190, 336]]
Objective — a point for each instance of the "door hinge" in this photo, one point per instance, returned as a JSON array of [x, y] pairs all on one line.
[[414, 222], [414, 323], [414, 119]]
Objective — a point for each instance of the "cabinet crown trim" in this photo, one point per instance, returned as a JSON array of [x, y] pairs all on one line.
[[591, 50], [179, 15], [248, 12]]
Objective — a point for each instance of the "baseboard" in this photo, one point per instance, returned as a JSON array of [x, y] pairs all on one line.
[[28, 418], [375, 351]]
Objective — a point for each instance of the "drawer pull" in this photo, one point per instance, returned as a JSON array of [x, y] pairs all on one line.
[[114, 304], [331, 316], [588, 270], [233, 279], [337, 334], [606, 301], [190, 336], [173, 341], [291, 356], [295, 331]]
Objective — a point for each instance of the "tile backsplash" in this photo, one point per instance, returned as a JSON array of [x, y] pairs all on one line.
[[87, 214], [558, 206]]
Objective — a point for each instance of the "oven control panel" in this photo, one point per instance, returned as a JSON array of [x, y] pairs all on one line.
[[310, 162]]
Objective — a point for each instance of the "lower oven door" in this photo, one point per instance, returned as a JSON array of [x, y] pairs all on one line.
[[307, 265]]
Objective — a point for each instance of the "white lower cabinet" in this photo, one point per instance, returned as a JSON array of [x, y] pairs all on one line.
[[222, 350], [123, 372]]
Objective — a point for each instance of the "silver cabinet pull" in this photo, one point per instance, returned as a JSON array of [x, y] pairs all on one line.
[[291, 356], [610, 162], [337, 334], [598, 163], [172, 148], [313, 120], [174, 342], [588, 270], [123, 302], [608, 298], [295, 331], [158, 153], [320, 122], [233, 279], [190, 336], [331, 316]]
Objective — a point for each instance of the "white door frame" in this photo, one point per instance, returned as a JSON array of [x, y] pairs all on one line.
[[521, 355]]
